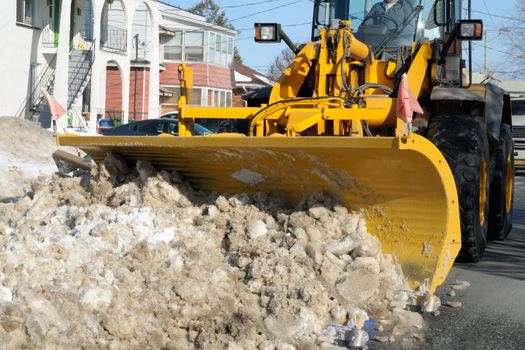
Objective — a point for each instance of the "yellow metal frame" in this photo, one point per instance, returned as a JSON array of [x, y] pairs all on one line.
[[326, 112]]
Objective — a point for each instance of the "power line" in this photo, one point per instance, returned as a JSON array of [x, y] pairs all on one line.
[[486, 8], [250, 4], [496, 50], [497, 16], [264, 11], [283, 25]]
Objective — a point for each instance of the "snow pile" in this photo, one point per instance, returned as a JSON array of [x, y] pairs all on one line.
[[25, 152], [125, 259], [22, 139]]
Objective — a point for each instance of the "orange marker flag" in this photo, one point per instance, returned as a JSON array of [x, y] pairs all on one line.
[[57, 111], [406, 102]]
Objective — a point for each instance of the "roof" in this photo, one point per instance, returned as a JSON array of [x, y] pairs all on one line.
[[170, 13], [248, 77], [514, 86]]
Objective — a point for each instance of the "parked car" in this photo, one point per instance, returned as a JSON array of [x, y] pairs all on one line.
[[104, 124], [217, 126], [170, 115], [152, 127], [518, 131]]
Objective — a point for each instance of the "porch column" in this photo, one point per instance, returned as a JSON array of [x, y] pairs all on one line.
[[60, 91], [154, 76], [98, 65], [154, 58], [125, 68]]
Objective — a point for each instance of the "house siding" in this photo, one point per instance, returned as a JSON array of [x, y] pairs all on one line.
[[203, 75], [114, 92], [113, 89]]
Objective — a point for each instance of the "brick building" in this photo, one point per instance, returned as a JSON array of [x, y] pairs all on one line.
[[184, 38]]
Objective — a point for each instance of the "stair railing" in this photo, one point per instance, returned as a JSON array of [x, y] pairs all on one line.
[[82, 70], [45, 80]]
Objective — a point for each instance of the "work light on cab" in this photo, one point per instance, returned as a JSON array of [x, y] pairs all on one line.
[[268, 32]]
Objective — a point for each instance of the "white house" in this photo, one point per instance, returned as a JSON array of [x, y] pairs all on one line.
[[108, 59], [65, 47], [206, 48]]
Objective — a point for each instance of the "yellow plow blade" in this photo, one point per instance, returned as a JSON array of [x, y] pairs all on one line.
[[405, 185]]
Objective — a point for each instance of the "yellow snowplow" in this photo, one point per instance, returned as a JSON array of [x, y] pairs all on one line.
[[331, 126]]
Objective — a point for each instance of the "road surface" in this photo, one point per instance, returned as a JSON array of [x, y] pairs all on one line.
[[492, 315]]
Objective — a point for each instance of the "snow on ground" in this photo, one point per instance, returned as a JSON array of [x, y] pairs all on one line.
[[136, 259], [25, 153]]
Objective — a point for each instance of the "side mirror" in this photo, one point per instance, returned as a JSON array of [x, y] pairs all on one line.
[[470, 29], [268, 32], [438, 9]]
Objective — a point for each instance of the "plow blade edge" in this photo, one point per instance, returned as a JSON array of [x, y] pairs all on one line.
[[404, 185]]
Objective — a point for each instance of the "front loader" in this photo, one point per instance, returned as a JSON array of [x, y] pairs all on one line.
[[431, 188]]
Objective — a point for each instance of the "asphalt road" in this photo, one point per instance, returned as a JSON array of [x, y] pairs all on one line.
[[492, 315]]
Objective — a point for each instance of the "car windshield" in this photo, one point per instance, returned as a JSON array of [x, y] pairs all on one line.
[[386, 23], [173, 128]]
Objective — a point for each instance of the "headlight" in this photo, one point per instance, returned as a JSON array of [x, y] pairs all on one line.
[[470, 30], [267, 32]]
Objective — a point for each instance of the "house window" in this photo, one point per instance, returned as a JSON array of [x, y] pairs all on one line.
[[230, 51], [173, 47], [219, 98], [195, 97], [187, 46], [211, 48], [24, 11], [220, 49], [194, 46]]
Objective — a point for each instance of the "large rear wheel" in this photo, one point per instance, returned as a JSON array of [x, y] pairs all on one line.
[[463, 141], [502, 187]]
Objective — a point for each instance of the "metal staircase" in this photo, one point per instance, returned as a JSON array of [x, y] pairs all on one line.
[[36, 108], [33, 103], [80, 63]]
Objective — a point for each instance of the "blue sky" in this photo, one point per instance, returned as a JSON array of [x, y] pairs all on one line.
[[296, 16]]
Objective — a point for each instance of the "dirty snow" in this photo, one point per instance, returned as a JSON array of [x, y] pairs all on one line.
[[25, 153], [136, 259]]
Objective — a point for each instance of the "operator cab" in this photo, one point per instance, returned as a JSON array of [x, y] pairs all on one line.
[[386, 23], [389, 27]]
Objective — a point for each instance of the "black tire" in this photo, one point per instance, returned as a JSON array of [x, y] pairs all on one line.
[[463, 141], [502, 187]]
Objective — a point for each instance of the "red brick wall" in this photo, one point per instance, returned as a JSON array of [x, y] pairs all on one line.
[[114, 91], [142, 93], [218, 77], [203, 75]]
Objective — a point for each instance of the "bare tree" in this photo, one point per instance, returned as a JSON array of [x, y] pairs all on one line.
[[514, 36], [280, 63]]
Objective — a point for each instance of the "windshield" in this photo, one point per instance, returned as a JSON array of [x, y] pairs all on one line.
[[392, 23]]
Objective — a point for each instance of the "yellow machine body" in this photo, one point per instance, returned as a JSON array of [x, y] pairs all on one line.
[[300, 145]]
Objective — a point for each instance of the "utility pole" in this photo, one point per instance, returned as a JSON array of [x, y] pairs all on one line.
[[485, 56], [136, 38]]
